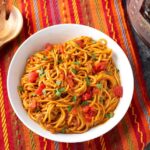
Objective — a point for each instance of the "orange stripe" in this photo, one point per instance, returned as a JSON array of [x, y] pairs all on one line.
[[75, 11], [26, 133], [33, 15], [3, 116], [62, 4], [40, 13]]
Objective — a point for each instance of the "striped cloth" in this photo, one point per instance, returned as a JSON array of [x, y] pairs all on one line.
[[133, 132]]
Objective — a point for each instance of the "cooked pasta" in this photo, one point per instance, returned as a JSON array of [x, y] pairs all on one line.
[[71, 87]]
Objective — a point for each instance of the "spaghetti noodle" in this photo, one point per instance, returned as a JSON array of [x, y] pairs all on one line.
[[71, 87]]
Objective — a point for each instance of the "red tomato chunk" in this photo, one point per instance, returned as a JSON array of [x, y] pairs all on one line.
[[33, 76], [118, 91]]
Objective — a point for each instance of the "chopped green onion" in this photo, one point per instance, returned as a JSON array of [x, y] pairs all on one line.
[[109, 115], [63, 130], [41, 71], [57, 93], [108, 72], [58, 82], [69, 108], [62, 89], [44, 91], [37, 109], [20, 88], [87, 79], [76, 62], [74, 98], [101, 100], [60, 61], [117, 70], [74, 71], [33, 94], [44, 57], [99, 85], [93, 56], [84, 103]]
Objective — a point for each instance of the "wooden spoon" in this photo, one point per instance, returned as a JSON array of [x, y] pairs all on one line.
[[12, 26]]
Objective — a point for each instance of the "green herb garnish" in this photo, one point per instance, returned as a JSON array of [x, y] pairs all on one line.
[[109, 115], [63, 130], [58, 82], [62, 89], [74, 71], [74, 98], [76, 62], [101, 100], [37, 109], [60, 61], [33, 94], [87, 79], [20, 88], [59, 91], [99, 85], [93, 56], [108, 72], [84, 103], [69, 108], [117, 70], [44, 91], [41, 71], [44, 57]]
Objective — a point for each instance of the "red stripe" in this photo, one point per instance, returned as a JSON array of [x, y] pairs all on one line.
[[115, 25], [42, 143], [114, 138], [80, 146], [97, 143], [49, 13], [79, 11], [48, 143], [71, 11], [138, 114]]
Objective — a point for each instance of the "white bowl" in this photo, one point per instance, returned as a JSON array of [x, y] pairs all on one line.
[[59, 34]]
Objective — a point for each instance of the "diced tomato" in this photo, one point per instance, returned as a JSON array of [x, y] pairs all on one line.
[[39, 89], [118, 91], [33, 76], [92, 112], [61, 49], [86, 96], [88, 118], [95, 91], [62, 75], [85, 109], [70, 82], [31, 58], [33, 105], [99, 67], [80, 43], [74, 111], [48, 47]]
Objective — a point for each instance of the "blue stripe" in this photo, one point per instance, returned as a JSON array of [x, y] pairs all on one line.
[[139, 98]]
